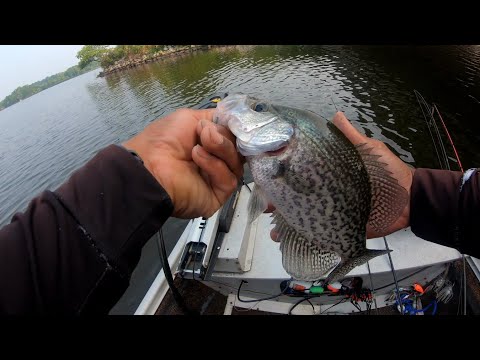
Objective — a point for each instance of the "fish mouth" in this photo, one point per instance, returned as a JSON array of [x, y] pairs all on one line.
[[270, 149], [278, 151]]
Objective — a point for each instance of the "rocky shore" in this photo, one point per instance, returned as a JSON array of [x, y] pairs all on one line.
[[143, 59]]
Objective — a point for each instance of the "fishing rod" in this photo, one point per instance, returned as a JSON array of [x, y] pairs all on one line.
[[449, 137], [429, 113], [433, 130], [442, 158]]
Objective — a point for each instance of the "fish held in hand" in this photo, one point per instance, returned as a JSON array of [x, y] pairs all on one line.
[[320, 184]]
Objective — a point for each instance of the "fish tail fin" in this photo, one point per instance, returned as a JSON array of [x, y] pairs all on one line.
[[345, 267]]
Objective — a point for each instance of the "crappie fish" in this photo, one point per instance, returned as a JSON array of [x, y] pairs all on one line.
[[319, 183]]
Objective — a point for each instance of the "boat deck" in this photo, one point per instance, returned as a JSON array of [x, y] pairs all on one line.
[[206, 301], [246, 255]]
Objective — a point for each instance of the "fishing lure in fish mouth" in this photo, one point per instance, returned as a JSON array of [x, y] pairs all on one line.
[[319, 183], [257, 129]]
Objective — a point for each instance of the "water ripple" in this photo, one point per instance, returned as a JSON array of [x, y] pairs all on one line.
[[47, 136]]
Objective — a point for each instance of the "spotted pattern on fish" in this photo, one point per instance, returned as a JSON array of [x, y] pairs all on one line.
[[309, 189], [320, 186]]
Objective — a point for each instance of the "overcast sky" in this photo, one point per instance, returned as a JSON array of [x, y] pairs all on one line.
[[25, 64]]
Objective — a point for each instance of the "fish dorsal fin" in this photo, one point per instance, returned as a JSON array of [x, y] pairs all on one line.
[[389, 198], [257, 203]]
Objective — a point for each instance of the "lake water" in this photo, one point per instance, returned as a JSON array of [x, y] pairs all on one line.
[[44, 138]]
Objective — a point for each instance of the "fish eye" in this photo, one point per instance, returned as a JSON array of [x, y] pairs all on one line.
[[260, 107]]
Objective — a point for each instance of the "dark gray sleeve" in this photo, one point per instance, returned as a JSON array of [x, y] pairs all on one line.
[[441, 213], [73, 250]]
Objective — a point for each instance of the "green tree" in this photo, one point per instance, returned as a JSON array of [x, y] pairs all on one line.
[[90, 53]]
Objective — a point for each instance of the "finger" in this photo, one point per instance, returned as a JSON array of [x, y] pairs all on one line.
[[371, 233], [205, 178], [270, 208], [227, 133], [274, 235], [346, 127], [222, 181], [222, 130], [206, 114], [221, 147], [203, 123]]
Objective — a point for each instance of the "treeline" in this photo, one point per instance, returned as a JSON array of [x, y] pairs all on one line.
[[107, 55], [26, 91]]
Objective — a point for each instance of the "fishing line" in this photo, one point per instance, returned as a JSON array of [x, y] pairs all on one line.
[[299, 302], [422, 103], [394, 276], [445, 165], [371, 287], [441, 145], [338, 303], [404, 278], [331, 97]]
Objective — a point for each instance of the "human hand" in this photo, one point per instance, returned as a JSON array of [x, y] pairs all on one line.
[[399, 170], [194, 160]]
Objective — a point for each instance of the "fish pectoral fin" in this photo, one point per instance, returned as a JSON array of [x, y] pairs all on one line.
[[257, 203], [389, 198], [347, 265]]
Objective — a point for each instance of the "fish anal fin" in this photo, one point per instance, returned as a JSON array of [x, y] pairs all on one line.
[[347, 265], [301, 258]]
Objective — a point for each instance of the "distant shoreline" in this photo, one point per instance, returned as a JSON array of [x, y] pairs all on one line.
[[144, 59], [26, 91]]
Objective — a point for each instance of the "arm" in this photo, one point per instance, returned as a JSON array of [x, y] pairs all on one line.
[[74, 249], [441, 213]]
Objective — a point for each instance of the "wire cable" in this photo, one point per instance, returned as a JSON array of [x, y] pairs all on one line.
[[250, 301], [338, 303], [168, 276], [299, 302], [244, 183]]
